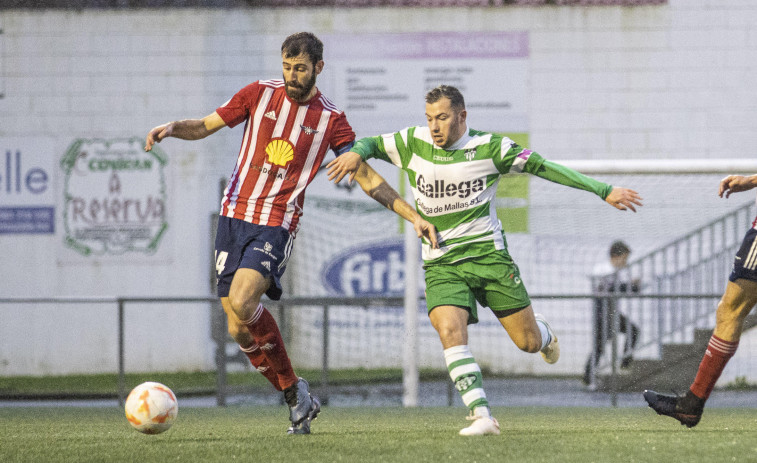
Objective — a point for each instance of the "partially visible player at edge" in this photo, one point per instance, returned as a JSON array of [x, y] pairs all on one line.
[[289, 127], [454, 172], [738, 300]]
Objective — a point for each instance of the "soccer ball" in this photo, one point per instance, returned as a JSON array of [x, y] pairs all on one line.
[[151, 408]]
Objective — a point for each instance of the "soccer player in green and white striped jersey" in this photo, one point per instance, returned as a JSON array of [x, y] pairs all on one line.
[[453, 172]]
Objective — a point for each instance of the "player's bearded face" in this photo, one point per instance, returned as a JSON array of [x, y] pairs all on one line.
[[447, 125], [298, 91], [299, 77]]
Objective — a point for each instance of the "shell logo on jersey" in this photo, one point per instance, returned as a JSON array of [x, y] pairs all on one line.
[[279, 152]]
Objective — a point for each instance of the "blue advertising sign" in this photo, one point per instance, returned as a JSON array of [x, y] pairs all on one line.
[[367, 270], [26, 201]]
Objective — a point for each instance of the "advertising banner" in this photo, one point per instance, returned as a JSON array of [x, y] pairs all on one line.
[[114, 197], [27, 201]]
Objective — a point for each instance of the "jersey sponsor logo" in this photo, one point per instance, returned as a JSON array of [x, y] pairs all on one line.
[[308, 130], [270, 115], [443, 158], [279, 151], [266, 264], [441, 189], [281, 174]]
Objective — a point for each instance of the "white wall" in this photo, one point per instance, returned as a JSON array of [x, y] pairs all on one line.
[[673, 81]]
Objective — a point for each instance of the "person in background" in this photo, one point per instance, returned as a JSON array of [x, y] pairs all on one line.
[[609, 278]]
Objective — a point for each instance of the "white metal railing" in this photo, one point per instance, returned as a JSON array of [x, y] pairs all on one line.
[[681, 283]]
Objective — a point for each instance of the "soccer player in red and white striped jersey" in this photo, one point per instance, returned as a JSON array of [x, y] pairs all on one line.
[[289, 127], [284, 144]]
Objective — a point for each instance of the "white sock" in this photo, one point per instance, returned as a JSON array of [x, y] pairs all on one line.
[[545, 337], [482, 411]]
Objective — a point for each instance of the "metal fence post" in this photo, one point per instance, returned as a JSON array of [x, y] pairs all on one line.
[[325, 356], [121, 366], [219, 333], [615, 320]]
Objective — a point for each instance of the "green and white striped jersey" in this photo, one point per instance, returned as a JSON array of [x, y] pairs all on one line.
[[455, 188]]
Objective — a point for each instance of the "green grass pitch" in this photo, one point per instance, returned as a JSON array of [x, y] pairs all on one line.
[[257, 434]]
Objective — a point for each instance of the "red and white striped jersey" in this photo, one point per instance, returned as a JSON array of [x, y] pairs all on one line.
[[283, 146]]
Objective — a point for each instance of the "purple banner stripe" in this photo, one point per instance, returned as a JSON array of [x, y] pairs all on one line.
[[420, 45]]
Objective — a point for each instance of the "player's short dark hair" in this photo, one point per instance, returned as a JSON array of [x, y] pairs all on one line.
[[303, 42], [619, 248], [456, 100]]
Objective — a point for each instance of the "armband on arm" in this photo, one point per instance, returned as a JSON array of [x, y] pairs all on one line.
[[385, 195]]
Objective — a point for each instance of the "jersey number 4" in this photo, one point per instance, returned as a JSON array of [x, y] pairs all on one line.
[[221, 261]]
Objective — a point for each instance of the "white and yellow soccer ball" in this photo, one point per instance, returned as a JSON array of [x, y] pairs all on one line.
[[151, 408]]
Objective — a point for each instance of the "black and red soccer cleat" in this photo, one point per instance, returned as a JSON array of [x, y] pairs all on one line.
[[686, 409]]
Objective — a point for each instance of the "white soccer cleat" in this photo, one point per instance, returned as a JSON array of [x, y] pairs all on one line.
[[482, 426], [551, 353]]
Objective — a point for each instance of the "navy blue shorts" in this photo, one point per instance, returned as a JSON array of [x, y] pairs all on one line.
[[241, 244], [745, 262]]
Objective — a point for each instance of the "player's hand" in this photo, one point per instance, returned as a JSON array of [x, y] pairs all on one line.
[[344, 164], [157, 134], [735, 184], [425, 229], [623, 199]]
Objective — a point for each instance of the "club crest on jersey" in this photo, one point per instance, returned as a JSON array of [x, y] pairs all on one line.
[[279, 152], [308, 130], [470, 154]]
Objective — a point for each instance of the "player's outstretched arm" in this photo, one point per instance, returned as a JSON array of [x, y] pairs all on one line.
[[347, 163], [736, 184], [376, 187], [188, 129], [623, 199]]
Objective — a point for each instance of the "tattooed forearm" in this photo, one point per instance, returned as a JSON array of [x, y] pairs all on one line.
[[385, 195]]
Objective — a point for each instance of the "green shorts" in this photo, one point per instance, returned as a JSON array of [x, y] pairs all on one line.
[[493, 280]]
